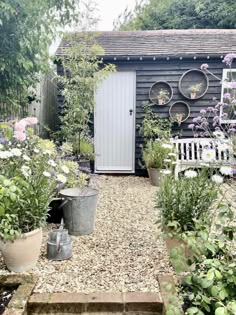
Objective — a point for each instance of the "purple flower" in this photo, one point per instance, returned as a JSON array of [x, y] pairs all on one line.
[[203, 111], [197, 119], [229, 58], [233, 85], [210, 109], [191, 126], [219, 105], [215, 110], [232, 130], [216, 119], [204, 66], [227, 96]]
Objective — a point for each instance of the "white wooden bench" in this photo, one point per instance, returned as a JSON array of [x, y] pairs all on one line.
[[189, 153]]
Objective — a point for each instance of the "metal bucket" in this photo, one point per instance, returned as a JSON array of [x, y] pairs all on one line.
[[79, 210], [59, 245]]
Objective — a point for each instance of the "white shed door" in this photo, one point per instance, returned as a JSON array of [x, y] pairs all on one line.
[[115, 124]]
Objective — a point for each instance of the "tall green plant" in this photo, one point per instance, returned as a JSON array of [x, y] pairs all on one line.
[[27, 28], [84, 71], [182, 201]]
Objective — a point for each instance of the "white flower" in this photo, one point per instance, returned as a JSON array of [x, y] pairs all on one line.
[[46, 174], [61, 178], [16, 152], [219, 134], [5, 154], [52, 163], [174, 163], [65, 169], [36, 151], [190, 174], [26, 171], [26, 158], [167, 160], [172, 154], [48, 152], [1, 146], [217, 179], [165, 172], [226, 170], [167, 146], [208, 155]]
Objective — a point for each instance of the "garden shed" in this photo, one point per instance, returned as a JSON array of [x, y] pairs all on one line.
[[148, 63]]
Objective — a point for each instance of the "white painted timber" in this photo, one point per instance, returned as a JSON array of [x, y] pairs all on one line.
[[115, 124]]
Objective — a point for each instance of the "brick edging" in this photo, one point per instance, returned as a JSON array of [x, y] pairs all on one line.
[[96, 302], [25, 286]]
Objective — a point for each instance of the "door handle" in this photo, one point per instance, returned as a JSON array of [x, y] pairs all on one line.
[[131, 112]]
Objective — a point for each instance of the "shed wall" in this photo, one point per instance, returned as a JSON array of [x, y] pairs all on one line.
[[148, 72]]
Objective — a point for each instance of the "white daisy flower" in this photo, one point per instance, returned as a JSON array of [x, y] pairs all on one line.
[[167, 146], [36, 151], [165, 172], [46, 174], [16, 152], [61, 178], [219, 134], [1, 146], [26, 171], [217, 179], [167, 160], [208, 155], [52, 163], [226, 170], [172, 154], [26, 158], [65, 169], [5, 154], [190, 174]]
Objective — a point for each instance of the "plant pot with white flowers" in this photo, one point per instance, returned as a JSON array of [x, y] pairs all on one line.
[[195, 89], [29, 179], [158, 157]]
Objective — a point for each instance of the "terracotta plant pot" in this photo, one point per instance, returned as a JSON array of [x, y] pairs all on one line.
[[193, 95], [22, 254], [154, 176], [160, 101]]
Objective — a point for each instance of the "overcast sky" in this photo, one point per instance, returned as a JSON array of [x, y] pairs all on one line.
[[110, 10]]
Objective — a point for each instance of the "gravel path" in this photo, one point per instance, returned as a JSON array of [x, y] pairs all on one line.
[[125, 253]]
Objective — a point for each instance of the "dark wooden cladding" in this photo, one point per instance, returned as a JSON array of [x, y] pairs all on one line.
[[148, 72]]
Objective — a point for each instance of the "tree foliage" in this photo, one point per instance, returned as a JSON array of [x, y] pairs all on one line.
[[178, 14], [26, 31]]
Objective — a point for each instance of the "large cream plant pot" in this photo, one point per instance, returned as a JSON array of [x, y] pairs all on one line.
[[154, 176], [22, 254]]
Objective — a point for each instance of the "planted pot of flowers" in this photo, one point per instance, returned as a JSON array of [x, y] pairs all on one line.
[[181, 202], [163, 97], [30, 177], [194, 89], [158, 157], [83, 149]]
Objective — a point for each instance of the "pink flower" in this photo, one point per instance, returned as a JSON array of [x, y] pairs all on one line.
[[191, 126], [204, 66], [21, 136], [203, 111], [229, 58], [227, 96], [233, 85], [20, 126], [30, 121]]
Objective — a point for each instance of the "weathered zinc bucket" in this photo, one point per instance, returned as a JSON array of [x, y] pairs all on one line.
[[59, 244], [79, 209]]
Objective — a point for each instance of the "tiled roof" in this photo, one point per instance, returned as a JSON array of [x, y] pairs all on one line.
[[164, 43]]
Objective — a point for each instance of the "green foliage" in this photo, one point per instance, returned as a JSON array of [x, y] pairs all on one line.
[[27, 28], [84, 72], [182, 201], [84, 148], [179, 14], [155, 154], [153, 126]]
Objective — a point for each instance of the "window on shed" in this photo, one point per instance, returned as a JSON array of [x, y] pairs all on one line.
[[228, 77]]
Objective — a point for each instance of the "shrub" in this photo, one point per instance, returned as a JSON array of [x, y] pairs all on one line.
[[182, 201]]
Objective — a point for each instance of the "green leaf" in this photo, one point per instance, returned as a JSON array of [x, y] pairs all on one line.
[[192, 310], [206, 283], [214, 291], [220, 311]]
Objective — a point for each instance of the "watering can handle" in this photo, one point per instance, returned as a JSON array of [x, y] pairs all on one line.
[[64, 202], [58, 242]]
